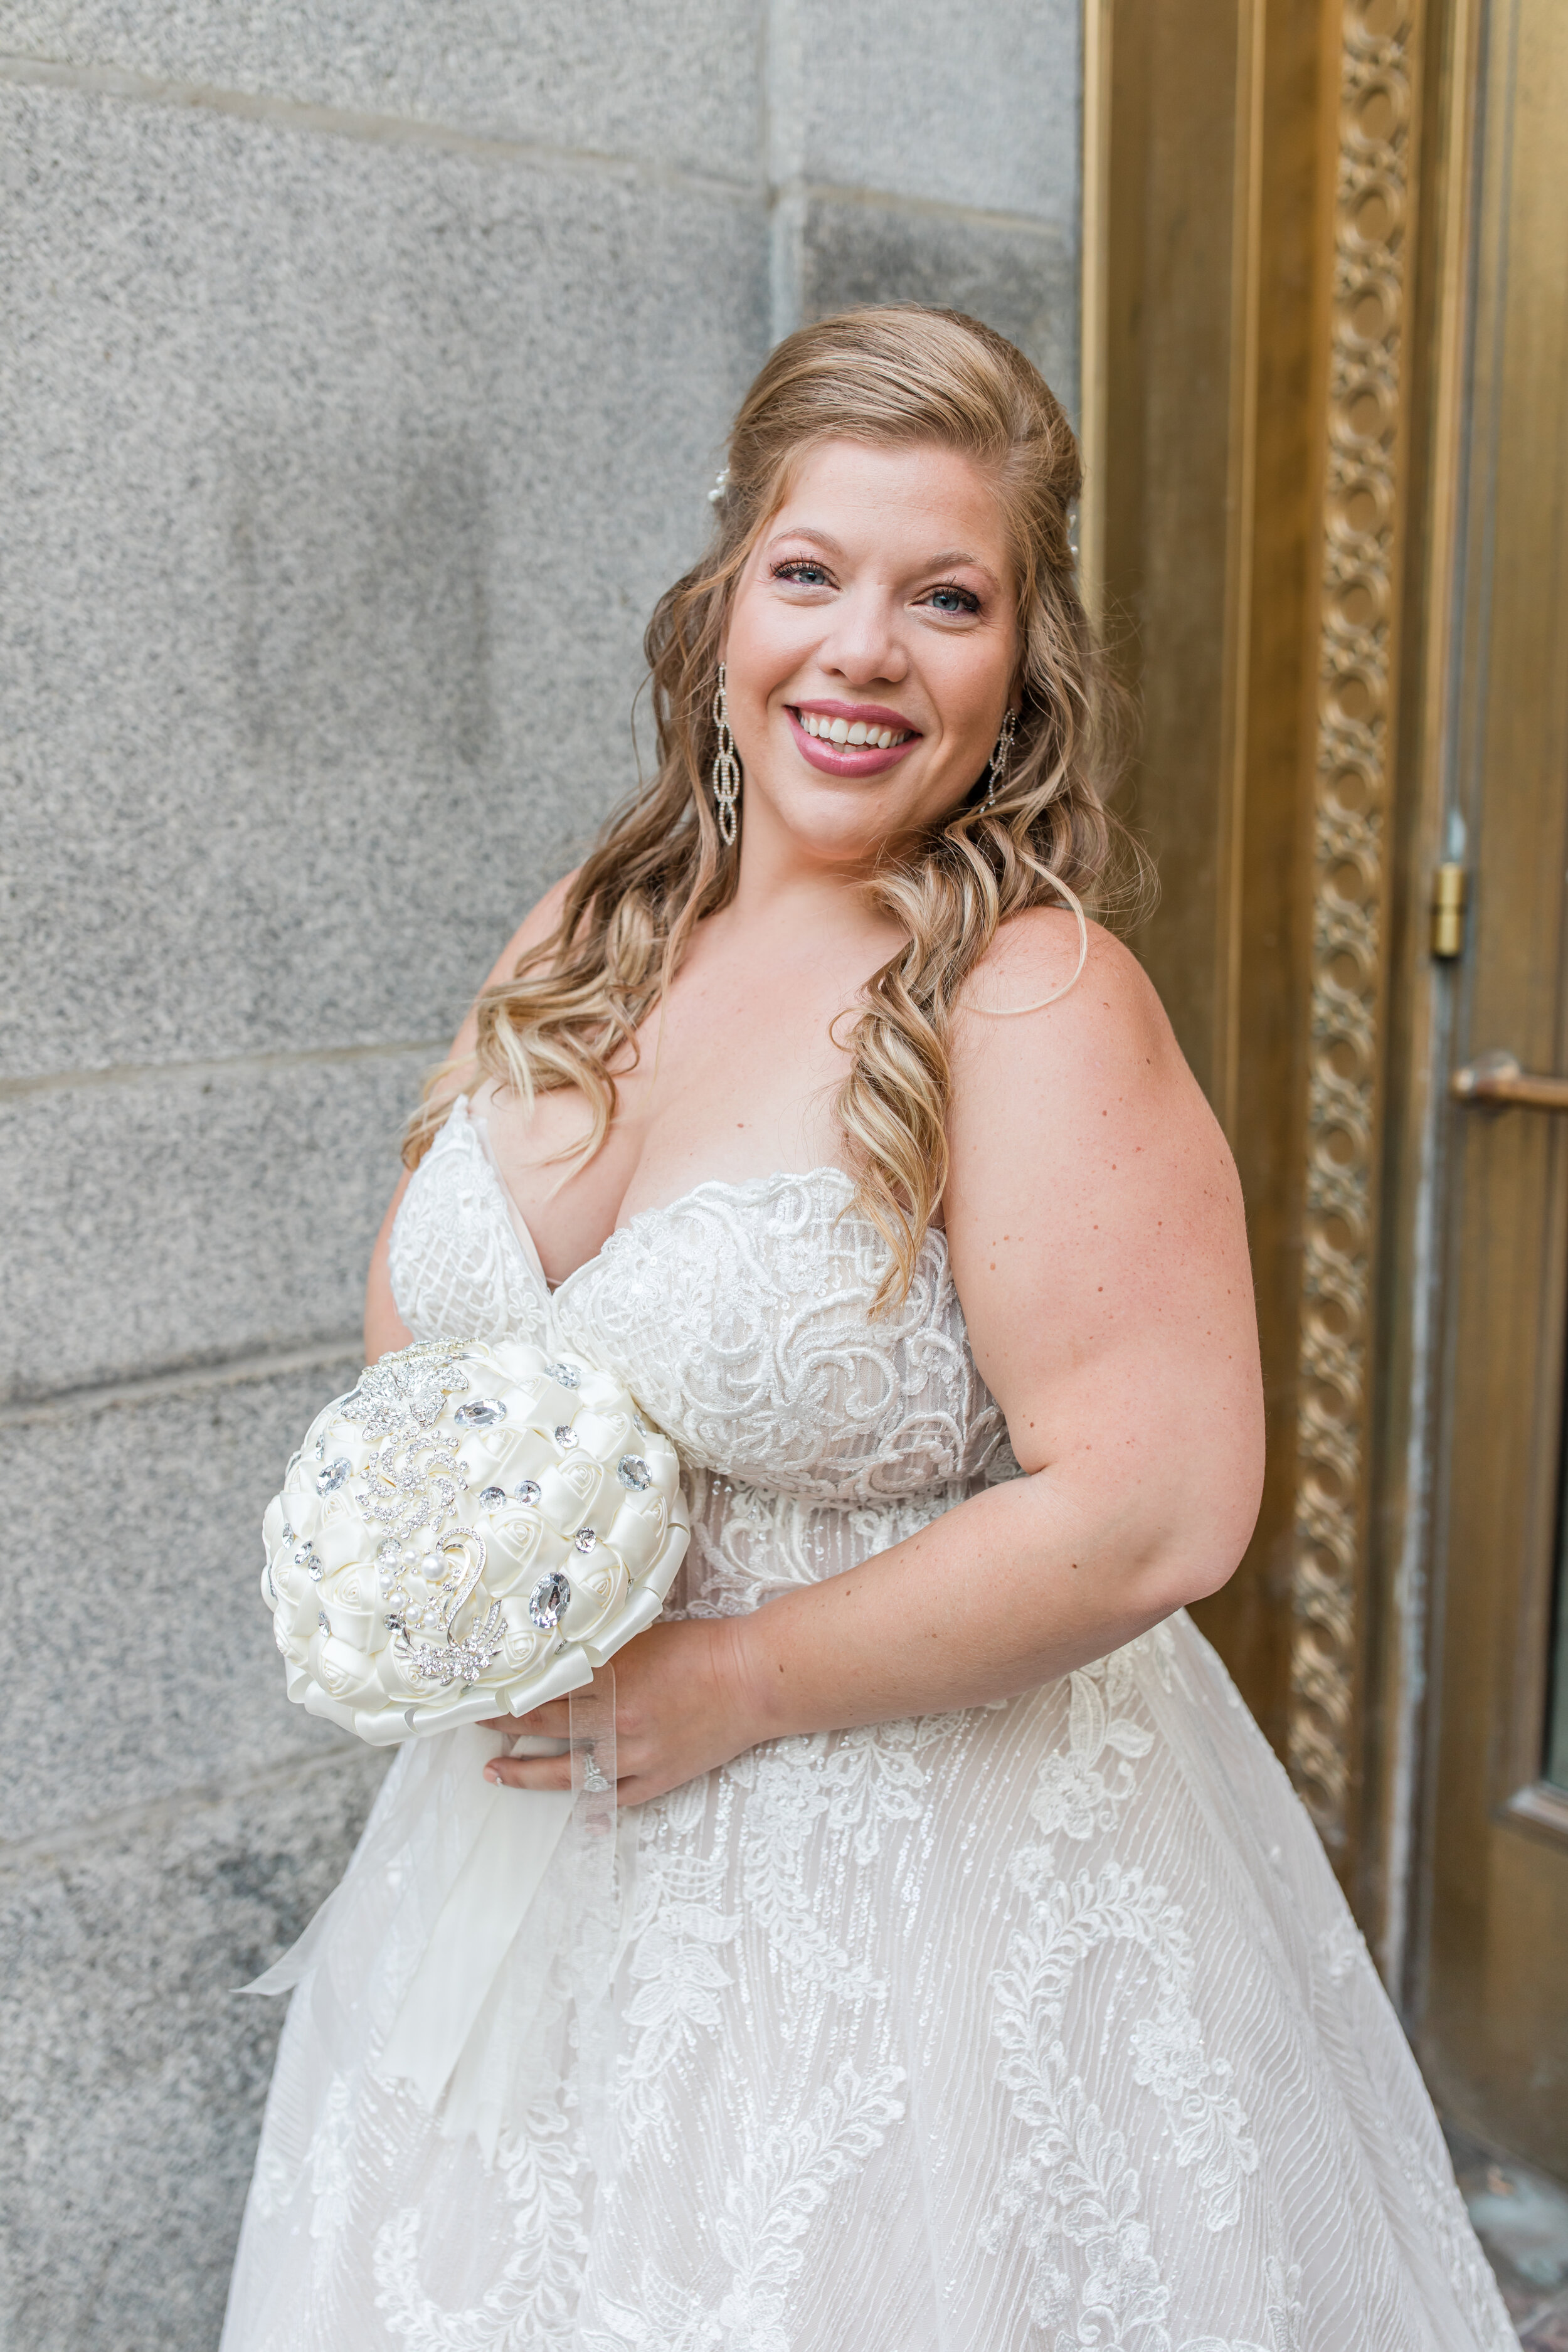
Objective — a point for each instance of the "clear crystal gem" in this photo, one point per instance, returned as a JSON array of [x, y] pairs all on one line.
[[567, 1374], [481, 1412], [492, 1496], [564, 1433], [288, 1532], [322, 1620], [528, 1492], [389, 1551], [548, 1598], [335, 1475], [633, 1471], [584, 1539]]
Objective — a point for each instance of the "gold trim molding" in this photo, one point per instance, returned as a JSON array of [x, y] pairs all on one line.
[[1349, 883]]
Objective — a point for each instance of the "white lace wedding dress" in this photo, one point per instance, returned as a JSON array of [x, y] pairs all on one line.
[[1040, 2025]]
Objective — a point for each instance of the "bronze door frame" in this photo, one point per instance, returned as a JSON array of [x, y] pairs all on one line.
[[1282, 244]]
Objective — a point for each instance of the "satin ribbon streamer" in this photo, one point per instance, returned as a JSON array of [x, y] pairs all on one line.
[[541, 1865]]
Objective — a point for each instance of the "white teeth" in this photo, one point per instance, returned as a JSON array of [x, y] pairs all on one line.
[[851, 733]]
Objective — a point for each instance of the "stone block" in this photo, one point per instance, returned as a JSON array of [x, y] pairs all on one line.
[[906, 98], [342, 478], [185, 1216], [133, 2072], [130, 1588], [1021, 281], [673, 81]]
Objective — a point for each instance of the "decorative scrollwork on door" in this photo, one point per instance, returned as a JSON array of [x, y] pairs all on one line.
[[1348, 888]]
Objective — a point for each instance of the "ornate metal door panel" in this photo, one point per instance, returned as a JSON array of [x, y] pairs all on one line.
[[1492, 1983]]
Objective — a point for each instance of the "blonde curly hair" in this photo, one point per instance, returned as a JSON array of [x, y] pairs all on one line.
[[896, 375]]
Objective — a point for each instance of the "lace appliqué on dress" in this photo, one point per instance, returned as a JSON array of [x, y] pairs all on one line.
[[457, 1269], [779, 2188], [1076, 2186], [531, 2306]]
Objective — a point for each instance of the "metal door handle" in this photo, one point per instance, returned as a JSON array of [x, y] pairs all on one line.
[[1496, 1078]]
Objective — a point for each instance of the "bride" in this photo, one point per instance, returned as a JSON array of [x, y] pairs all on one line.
[[977, 1982]]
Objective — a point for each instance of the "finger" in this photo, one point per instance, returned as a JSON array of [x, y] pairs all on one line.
[[530, 1771], [553, 1720]]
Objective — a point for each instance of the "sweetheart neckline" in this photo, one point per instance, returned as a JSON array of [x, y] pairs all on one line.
[[731, 1184]]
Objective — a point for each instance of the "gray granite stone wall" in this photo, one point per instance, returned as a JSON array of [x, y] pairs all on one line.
[[362, 369]]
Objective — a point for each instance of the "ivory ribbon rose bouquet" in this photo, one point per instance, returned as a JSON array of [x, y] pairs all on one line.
[[468, 1532]]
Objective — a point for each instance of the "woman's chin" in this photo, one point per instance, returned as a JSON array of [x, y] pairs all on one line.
[[853, 837], [837, 820]]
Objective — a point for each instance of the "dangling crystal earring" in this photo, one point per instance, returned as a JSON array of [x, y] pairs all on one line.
[[996, 774], [726, 766]]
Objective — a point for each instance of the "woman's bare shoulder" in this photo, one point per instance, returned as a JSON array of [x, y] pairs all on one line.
[[1027, 997], [1074, 1077]]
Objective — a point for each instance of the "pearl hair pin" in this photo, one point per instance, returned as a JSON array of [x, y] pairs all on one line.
[[721, 484]]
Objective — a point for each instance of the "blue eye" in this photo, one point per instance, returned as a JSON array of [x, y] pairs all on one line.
[[796, 567], [951, 598]]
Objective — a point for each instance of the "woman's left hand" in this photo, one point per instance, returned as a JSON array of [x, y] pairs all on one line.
[[680, 1710]]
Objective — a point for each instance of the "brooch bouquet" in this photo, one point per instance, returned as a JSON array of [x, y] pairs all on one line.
[[468, 1532]]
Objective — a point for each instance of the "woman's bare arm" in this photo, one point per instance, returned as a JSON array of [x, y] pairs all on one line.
[[1098, 1242]]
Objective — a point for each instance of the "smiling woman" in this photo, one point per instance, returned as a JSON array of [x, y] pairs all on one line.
[[970, 1976], [928, 475]]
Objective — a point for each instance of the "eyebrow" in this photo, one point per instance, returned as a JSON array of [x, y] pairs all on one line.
[[946, 561]]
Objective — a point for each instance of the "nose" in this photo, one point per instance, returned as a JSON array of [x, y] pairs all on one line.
[[864, 644]]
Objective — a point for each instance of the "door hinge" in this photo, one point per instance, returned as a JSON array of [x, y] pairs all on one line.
[[1448, 892]]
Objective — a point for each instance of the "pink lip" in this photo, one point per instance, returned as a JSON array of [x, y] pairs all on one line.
[[874, 714], [849, 758]]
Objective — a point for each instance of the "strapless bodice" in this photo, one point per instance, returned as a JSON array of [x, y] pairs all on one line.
[[738, 1316]]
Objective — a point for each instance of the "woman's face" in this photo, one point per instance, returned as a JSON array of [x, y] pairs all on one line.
[[878, 604]]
